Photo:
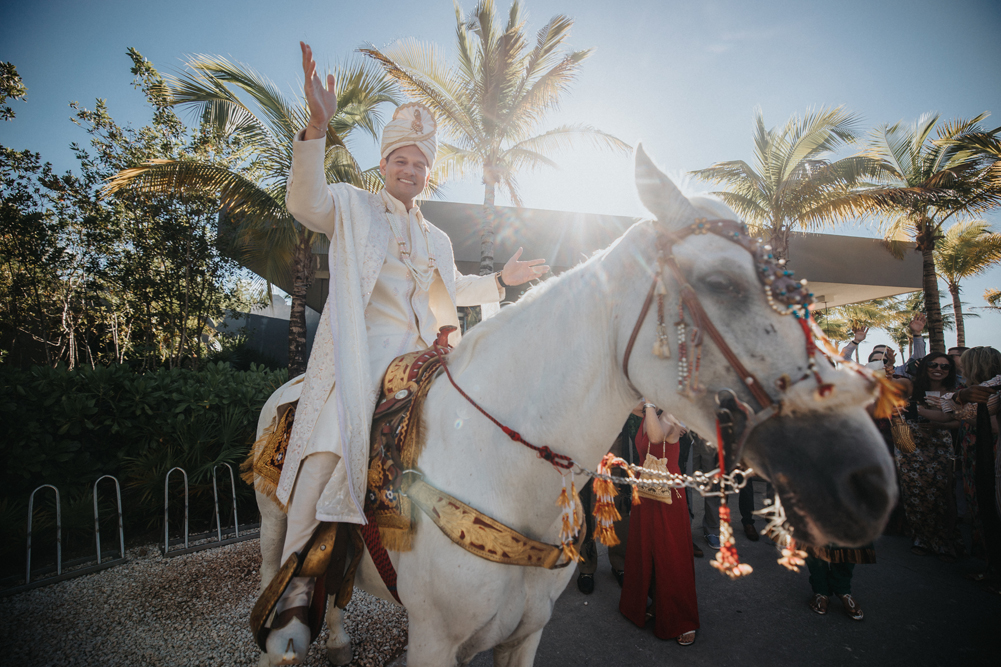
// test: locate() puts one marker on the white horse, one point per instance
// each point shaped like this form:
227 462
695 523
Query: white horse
551 367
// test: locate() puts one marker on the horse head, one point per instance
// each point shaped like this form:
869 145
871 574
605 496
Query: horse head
809 433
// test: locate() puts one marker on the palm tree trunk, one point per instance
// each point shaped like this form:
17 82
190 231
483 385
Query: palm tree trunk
957 308
301 281
487 226
936 337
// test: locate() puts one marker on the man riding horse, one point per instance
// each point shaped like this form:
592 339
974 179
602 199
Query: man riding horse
393 284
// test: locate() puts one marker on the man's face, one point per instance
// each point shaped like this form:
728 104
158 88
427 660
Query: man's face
407 173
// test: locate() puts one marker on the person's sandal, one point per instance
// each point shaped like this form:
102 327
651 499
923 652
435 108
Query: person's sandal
686 639
851 607
818 603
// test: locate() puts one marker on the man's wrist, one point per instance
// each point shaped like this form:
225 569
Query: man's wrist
500 280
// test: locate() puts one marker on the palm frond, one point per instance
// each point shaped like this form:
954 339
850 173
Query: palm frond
237 194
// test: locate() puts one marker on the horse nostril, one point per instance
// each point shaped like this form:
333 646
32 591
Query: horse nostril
868 493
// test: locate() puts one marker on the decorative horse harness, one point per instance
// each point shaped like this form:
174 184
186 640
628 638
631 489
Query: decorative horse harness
735 419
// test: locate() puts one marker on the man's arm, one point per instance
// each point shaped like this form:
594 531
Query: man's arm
306 195
475 290
850 348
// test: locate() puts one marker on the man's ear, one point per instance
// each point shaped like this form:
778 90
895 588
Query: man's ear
382 166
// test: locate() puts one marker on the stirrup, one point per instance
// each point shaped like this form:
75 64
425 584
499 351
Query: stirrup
313 563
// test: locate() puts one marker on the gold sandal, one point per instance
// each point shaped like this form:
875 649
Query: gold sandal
686 639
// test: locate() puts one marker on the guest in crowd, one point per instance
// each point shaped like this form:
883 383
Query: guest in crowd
924 471
977 405
831 570
659 563
624 448
885 353
689 440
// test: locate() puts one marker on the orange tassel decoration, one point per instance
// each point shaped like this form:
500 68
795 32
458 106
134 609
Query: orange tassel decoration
889 398
568 529
792 558
605 513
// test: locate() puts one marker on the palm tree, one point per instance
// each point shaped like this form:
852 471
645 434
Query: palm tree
491 103
967 249
261 231
924 181
793 183
839 323
993 298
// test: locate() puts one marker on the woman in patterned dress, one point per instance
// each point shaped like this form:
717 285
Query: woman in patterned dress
924 472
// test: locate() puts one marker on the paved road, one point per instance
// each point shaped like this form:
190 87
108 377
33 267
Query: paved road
919 611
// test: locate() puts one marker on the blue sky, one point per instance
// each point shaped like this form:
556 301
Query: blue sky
684 78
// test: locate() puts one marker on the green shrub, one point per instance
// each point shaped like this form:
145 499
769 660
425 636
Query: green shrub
68 428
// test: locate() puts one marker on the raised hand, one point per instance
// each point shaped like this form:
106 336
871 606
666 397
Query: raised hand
917 324
860 333
322 100
516 273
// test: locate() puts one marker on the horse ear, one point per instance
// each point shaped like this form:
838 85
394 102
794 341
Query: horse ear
660 195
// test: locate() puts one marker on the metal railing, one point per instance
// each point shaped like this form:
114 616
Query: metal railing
97 520
59 532
110 559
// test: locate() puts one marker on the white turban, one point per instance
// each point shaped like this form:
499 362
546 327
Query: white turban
412 125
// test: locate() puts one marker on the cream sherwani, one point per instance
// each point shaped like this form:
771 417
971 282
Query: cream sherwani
375 311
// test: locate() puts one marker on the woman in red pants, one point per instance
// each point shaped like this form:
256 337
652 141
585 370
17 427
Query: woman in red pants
659 561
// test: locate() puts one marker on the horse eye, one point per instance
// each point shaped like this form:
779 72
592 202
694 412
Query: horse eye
721 284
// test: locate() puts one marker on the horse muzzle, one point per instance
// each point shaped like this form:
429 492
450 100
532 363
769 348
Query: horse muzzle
834 474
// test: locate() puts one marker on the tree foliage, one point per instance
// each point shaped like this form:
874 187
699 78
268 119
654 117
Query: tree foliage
238 105
967 249
794 182
929 172
491 104
88 280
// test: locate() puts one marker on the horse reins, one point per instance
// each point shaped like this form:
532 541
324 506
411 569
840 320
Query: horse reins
778 284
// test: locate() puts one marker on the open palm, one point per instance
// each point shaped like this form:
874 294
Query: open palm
322 100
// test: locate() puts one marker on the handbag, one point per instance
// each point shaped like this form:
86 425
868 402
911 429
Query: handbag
903 438
659 493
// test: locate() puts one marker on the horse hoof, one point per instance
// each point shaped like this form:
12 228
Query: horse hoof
339 656
288 645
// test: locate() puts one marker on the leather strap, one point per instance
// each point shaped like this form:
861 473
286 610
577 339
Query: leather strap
636 330
483 536
702 321
731 232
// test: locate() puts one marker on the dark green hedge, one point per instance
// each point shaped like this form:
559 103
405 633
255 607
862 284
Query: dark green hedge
68 428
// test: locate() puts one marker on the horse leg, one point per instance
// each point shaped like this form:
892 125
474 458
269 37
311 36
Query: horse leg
339 642
519 653
273 523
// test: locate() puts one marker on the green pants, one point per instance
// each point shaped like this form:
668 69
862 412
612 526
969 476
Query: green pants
827 578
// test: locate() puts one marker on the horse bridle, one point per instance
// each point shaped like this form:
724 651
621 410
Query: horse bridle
786 296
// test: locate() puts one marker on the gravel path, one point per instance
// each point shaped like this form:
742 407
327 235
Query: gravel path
186 610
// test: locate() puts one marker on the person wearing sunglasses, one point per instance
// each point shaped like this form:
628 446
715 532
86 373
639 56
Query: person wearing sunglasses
925 471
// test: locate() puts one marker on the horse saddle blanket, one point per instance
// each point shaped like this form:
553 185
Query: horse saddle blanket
397 442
